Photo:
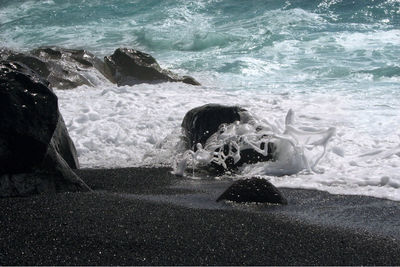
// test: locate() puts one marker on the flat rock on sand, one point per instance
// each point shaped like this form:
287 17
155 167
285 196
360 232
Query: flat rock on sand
148 217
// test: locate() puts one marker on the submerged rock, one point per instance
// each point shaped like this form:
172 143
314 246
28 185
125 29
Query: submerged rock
36 152
253 190
203 123
130 66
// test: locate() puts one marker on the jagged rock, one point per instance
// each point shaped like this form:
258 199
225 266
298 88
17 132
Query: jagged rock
69 68
36 152
129 67
63 68
253 190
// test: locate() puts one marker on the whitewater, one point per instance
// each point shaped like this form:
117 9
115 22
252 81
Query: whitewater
334 64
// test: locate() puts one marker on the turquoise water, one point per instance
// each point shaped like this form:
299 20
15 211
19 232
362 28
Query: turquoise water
335 63
313 42
347 47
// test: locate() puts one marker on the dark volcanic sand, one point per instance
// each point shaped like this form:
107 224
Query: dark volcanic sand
141 216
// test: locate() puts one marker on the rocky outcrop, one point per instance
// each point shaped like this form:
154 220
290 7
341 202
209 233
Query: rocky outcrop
253 190
129 67
70 68
36 152
63 68
67 68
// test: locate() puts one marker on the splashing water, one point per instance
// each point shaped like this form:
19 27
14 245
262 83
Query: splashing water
294 150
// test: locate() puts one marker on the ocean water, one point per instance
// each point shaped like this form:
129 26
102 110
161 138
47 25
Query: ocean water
332 65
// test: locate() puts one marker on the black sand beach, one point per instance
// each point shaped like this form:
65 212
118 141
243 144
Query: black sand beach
140 216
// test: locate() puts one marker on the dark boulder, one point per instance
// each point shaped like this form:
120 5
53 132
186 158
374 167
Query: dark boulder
36 152
253 190
200 123
129 67
23 97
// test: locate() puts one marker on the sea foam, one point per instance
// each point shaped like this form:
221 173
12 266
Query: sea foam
294 149
333 63
140 126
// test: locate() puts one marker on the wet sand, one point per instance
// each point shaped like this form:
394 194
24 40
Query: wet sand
146 216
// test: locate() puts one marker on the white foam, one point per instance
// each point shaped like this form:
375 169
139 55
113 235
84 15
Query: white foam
369 41
140 125
270 62
295 150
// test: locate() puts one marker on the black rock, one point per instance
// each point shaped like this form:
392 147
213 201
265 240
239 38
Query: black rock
253 190
36 152
33 62
24 97
202 122
129 67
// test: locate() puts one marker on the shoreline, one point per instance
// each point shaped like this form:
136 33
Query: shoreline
147 216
